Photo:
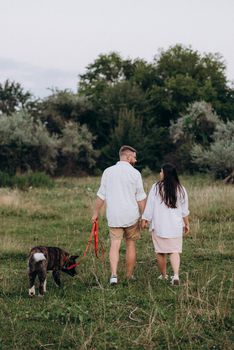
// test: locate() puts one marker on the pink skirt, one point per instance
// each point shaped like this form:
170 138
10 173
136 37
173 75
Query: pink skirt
167 245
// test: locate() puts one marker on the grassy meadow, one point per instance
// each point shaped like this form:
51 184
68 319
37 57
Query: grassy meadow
86 313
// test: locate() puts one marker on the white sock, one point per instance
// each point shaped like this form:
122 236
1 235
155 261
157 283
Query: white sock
176 277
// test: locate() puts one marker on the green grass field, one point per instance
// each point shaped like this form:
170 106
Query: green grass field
89 314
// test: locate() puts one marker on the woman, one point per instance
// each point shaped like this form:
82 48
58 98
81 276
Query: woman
167 211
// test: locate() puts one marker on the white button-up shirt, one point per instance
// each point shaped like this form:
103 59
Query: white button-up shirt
165 222
121 188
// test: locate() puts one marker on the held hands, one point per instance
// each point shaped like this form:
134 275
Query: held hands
144 224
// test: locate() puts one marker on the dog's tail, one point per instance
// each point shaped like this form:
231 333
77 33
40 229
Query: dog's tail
38 257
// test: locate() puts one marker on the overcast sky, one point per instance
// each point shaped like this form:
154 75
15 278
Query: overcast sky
48 43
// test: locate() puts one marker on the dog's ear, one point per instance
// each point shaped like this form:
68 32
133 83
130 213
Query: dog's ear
74 257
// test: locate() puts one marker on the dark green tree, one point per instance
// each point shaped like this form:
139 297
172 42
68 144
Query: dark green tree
61 107
111 85
151 143
107 70
128 130
157 93
13 98
122 96
185 76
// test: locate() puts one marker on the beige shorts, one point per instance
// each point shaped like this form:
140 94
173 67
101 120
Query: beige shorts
131 232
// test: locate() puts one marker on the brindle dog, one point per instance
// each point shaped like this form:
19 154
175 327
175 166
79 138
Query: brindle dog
43 259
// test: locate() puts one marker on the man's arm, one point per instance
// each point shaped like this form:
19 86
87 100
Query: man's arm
141 205
98 204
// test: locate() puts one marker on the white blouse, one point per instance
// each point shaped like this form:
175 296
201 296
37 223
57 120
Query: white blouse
165 222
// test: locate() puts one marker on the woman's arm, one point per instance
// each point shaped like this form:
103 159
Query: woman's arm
186 224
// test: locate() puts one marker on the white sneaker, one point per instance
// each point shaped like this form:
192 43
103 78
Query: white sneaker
161 277
113 280
175 281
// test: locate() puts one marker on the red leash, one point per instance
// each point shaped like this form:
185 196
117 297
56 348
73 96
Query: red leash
93 234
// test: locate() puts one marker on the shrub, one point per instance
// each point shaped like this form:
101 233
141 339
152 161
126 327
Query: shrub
26 144
196 126
37 179
23 182
5 179
219 157
146 172
77 154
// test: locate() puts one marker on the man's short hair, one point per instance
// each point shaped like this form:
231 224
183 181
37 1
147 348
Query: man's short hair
125 149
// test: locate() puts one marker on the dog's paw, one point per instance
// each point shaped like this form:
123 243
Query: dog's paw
32 292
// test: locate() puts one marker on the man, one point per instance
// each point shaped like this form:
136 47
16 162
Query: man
122 190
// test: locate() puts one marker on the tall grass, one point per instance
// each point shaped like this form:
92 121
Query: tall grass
86 313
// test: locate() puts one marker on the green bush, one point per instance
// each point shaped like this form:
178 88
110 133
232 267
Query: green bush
40 179
37 179
218 158
77 154
146 172
25 144
6 180
196 125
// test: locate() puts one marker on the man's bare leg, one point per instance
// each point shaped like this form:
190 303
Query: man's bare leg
130 257
114 255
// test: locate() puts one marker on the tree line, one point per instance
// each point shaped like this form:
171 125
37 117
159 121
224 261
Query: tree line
178 108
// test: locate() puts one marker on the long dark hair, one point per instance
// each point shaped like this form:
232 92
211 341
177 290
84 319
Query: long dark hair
170 186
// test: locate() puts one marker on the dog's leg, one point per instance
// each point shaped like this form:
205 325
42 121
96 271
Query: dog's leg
42 281
56 276
45 285
32 277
